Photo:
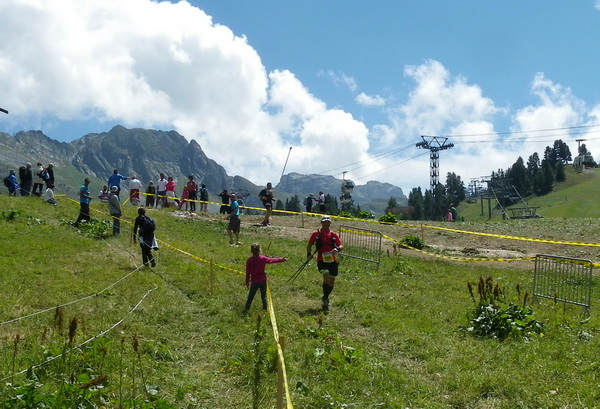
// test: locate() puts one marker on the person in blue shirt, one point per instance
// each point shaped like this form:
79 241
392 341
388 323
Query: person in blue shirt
115 180
14 187
84 202
234 221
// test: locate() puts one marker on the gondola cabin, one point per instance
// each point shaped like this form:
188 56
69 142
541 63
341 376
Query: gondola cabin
347 188
584 163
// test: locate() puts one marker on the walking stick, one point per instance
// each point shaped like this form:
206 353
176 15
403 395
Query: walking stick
297 273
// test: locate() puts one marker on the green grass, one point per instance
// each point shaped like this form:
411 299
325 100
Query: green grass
391 338
577 197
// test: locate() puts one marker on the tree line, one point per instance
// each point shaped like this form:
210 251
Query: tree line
537 176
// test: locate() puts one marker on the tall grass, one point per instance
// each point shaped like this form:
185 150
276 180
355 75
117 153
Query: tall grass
391 338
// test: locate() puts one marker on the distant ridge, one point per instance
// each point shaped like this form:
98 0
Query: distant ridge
146 153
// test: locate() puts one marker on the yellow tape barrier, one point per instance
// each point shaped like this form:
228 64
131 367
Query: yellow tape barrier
226 268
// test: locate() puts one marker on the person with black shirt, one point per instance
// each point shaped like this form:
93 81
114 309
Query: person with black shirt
266 197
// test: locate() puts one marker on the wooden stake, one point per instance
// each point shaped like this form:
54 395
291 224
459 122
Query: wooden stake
212 277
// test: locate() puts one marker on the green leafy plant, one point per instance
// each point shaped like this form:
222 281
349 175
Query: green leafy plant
345 214
388 218
10 215
494 317
413 242
97 228
366 215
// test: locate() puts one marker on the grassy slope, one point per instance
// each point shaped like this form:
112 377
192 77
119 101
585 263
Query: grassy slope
576 197
390 339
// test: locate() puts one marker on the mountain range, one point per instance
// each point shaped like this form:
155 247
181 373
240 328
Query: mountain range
146 153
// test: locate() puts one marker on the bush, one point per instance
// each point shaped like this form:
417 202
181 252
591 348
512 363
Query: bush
413 242
493 317
365 214
388 218
97 228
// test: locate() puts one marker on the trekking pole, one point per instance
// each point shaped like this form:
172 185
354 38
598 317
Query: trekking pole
297 273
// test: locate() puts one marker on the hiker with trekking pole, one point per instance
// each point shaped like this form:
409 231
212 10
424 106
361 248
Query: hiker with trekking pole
328 245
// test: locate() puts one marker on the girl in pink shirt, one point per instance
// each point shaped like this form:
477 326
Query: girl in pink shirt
256 279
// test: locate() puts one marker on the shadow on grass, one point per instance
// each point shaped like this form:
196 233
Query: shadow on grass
313 312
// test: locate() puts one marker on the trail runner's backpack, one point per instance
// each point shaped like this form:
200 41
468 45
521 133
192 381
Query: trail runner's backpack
319 242
147 225
7 182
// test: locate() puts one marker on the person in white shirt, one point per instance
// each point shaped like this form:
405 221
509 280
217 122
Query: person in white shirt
134 190
38 182
161 191
49 195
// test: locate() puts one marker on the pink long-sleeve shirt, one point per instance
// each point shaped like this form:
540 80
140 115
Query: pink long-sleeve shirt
255 268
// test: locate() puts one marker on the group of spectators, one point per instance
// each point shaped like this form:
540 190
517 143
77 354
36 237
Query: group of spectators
161 194
328 244
37 182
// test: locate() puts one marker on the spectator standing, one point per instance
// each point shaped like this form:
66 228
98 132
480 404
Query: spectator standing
266 197
84 202
203 199
26 179
322 205
192 188
454 213
161 191
38 181
234 222
115 180
150 194
114 208
185 194
13 186
328 245
224 209
146 227
49 195
170 187
308 202
256 279
103 195
49 175
134 190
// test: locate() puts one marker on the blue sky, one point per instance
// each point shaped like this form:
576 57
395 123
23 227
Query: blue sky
349 85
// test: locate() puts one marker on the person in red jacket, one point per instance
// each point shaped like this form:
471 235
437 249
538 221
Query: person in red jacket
328 245
256 279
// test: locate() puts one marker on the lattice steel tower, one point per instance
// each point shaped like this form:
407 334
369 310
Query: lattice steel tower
435 144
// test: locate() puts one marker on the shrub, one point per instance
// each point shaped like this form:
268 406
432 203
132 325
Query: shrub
413 241
388 218
97 228
365 214
494 317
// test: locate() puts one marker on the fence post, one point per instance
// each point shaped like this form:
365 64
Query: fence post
280 386
212 277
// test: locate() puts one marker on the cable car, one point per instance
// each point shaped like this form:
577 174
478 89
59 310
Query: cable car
347 188
584 163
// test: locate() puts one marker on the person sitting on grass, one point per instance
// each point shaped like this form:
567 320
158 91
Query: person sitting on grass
256 279
49 196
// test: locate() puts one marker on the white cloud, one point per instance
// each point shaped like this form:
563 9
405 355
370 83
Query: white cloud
339 78
169 66
371 101
164 65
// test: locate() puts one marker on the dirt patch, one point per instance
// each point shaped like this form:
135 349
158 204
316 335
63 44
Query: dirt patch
511 239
